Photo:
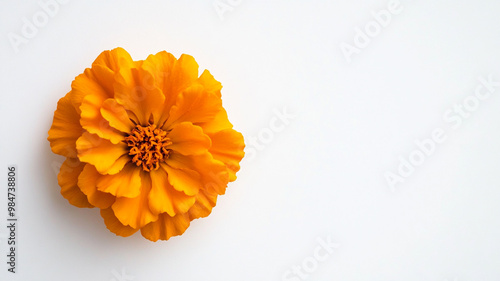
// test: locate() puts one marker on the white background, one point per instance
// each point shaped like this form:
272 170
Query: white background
320 176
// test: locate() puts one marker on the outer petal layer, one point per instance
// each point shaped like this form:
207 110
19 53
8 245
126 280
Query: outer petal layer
114 225
194 105
214 174
219 123
87 184
100 78
107 64
163 198
86 84
208 81
227 146
135 212
68 180
65 129
113 60
166 227
205 201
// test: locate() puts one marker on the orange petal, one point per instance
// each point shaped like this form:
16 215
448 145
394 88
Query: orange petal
164 198
161 67
107 64
185 180
188 139
178 75
219 123
87 183
114 225
99 79
135 212
214 174
126 183
93 121
118 165
166 227
101 153
68 180
135 89
209 83
184 73
86 84
65 129
116 115
114 59
105 77
194 105
205 201
227 146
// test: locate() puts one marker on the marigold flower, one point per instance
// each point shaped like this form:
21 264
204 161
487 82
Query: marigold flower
147 142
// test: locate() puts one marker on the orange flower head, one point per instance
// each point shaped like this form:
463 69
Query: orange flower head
147 142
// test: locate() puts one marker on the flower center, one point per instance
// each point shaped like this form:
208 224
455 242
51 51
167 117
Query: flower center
148 146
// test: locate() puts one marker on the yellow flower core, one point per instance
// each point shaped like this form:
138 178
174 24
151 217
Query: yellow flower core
148 145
